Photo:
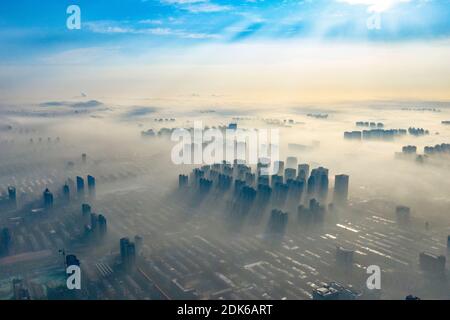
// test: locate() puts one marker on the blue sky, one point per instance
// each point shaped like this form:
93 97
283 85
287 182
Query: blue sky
31 28
259 50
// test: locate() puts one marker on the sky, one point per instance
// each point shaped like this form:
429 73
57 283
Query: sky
277 51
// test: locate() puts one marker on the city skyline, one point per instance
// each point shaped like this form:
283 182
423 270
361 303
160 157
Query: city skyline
225 151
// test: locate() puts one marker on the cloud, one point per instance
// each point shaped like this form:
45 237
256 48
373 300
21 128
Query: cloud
87 104
107 27
151 21
375 5
198 6
183 1
139 112
207 8
78 105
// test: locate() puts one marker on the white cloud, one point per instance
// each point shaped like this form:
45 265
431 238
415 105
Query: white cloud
107 27
183 1
375 5
198 6
207 7
151 21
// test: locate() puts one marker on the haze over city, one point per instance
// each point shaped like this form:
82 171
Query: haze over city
354 96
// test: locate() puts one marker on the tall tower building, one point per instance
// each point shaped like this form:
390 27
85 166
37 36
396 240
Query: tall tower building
138 244
102 225
71 260
127 253
291 162
341 183
303 171
48 199
280 165
12 196
91 185
80 186
85 209
66 193
94 220
5 241
182 180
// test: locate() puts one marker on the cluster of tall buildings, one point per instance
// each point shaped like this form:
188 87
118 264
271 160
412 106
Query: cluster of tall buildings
96 224
443 148
381 134
48 198
370 124
80 186
418 131
318 115
410 150
375 134
335 291
167 132
255 191
128 252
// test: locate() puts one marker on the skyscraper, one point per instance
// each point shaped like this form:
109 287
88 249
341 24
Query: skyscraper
48 199
91 185
94 220
291 162
340 196
318 183
85 209
182 180
303 171
124 242
71 260
80 186
127 253
280 166
138 244
290 173
66 194
12 196
277 222
5 241
102 225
